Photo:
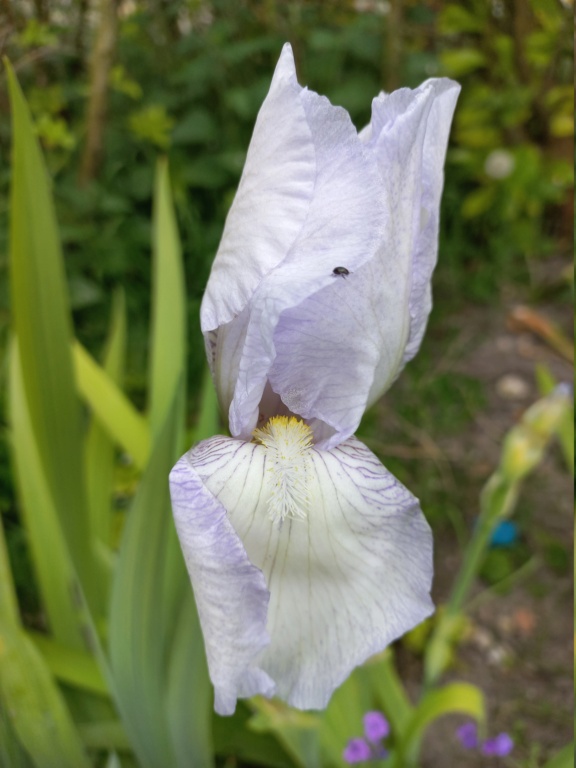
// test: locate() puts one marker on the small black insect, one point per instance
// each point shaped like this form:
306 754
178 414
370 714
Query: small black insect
340 272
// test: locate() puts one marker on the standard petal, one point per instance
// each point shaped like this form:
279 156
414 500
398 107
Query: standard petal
329 346
344 582
408 136
271 203
345 227
426 241
231 594
341 349
224 350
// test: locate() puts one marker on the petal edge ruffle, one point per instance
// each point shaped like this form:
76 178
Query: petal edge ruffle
222 578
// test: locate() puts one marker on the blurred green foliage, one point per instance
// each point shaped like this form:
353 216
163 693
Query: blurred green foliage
188 77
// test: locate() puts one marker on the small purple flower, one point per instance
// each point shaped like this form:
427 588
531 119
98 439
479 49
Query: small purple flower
468 735
499 746
357 751
376 726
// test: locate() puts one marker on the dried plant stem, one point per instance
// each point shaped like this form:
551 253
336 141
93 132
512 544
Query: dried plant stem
100 66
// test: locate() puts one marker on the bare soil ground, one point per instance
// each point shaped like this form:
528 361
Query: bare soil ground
518 648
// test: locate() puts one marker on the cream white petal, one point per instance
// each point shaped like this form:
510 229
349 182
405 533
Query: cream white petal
345 227
230 592
408 136
329 346
271 203
344 581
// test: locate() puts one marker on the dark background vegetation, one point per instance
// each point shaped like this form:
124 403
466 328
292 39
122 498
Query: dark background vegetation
114 84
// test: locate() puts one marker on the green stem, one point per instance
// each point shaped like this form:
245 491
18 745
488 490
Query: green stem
9 614
392 692
497 501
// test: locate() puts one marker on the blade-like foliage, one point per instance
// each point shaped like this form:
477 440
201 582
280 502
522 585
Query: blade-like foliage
34 719
43 327
137 632
55 573
155 644
35 706
111 407
189 696
342 720
74 667
562 759
462 698
100 448
297 732
168 333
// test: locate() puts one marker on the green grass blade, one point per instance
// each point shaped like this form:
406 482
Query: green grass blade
190 727
12 754
462 698
114 411
107 734
137 635
168 344
43 326
167 366
113 761
208 423
232 736
56 577
562 759
342 720
189 717
36 709
100 448
297 732
389 690
74 667
9 614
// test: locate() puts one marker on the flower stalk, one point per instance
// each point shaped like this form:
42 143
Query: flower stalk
524 448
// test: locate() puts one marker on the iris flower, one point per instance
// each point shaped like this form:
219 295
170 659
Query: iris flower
305 554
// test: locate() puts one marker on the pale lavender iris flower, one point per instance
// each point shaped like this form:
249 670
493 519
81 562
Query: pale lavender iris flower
305 554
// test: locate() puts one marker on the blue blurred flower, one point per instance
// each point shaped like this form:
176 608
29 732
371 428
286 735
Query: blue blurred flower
505 534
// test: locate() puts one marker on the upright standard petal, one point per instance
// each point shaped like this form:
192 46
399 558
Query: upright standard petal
414 161
271 203
346 577
345 345
326 345
345 226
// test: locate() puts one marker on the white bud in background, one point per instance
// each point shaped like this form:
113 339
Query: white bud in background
499 164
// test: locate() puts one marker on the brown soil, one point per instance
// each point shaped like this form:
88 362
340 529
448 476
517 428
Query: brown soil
519 646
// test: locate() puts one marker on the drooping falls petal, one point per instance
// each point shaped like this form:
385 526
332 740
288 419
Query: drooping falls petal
231 594
347 573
